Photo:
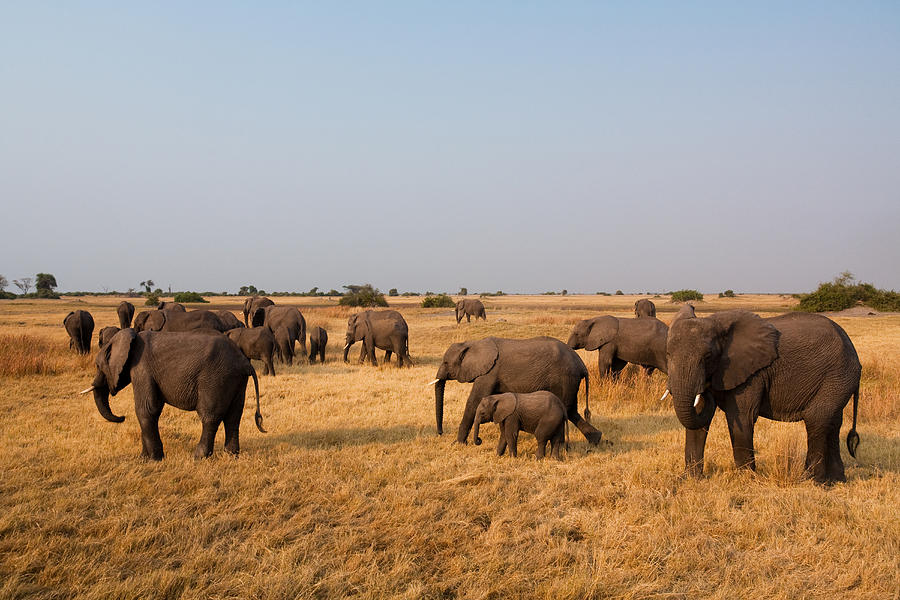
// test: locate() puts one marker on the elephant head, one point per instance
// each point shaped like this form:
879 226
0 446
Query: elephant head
719 352
140 321
357 328
496 408
464 362
259 317
113 373
247 303
590 334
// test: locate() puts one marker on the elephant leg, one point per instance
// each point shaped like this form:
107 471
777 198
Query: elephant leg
605 357
322 355
468 318
270 366
740 427
570 401
362 353
817 434
511 427
501 444
616 368
544 432
207 438
148 412
387 357
481 388
694 445
370 347
834 466
232 425
557 441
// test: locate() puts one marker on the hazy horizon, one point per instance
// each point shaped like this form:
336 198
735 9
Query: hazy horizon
502 146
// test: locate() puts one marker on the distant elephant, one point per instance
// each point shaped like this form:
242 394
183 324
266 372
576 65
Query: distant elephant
257 343
79 325
252 304
107 334
171 306
174 320
228 319
686 312
622 341
318 339
540 413
644 308
190 371
498 365
384 329
125 311
469 309
287 325
794 367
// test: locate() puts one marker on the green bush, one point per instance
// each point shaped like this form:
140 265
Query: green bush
189 297
844 292
47 293
685 295
4 295
438 301
362 295
151 299
393 292
727 294
619 293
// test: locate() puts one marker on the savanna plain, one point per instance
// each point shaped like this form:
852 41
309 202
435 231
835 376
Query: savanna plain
352 493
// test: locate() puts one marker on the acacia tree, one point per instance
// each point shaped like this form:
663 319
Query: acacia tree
147 285
23 284
3 283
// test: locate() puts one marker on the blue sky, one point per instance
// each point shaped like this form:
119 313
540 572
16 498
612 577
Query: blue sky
519 146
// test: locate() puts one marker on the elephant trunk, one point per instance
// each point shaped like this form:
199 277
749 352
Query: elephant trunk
478 417
574 343
101 399
686 398
347 349
439 404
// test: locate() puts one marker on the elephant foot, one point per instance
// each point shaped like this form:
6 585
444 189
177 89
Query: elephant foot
593 437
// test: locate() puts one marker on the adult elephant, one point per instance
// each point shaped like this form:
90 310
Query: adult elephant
125 311
794 367
228 319
622 341
468 309
644 308
188 370
171 306
173 320
384 329
499 365
287 325
79 325
252 304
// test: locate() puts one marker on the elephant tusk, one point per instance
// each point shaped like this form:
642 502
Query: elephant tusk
664 396
347 346
696 400
90 389
432 382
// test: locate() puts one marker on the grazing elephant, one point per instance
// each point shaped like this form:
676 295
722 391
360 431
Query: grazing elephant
287 325
469 309
188 370
794 367
622 341
252 304
318 339
258 343
644 308
498 365
174 320
540 413
171 306
384 329
80 327
228 319
107 334
125 310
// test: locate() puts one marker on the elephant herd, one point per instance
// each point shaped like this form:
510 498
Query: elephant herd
794 367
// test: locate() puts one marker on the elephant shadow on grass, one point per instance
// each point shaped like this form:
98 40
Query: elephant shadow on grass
626 434
346 436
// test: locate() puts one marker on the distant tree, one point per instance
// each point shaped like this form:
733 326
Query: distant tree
393 292
147 285
152 299
463 291
362 295
334 292
23 284
313 291
565 292
619 293
727 294
438 301
685 295
3 283
45 281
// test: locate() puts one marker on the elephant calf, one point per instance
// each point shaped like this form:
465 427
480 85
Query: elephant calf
541 413
107 334
257 343
79 325
318 339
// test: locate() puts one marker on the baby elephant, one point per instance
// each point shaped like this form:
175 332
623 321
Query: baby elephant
258 343
541 413
318 338
107 334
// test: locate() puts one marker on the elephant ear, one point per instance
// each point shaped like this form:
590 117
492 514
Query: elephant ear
476 359
67 317
158 321
113 358
602 331
748 344
506 405
259 317
686 312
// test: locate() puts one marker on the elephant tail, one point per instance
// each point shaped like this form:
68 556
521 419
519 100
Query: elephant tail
587 397
852 436
258 416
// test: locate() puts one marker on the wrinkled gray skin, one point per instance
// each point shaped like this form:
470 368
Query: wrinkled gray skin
125 311
686 311
499 365
228 319
187 370
79 325
644 308
794 367
622 341
252 304
171 306
174 320
107 334
540 413
287 325
384 329
469 309
318 339
257 343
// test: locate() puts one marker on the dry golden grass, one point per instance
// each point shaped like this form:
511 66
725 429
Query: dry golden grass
352 494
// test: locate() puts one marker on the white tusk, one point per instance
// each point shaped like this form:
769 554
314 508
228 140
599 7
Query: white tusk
87 390
347 346
696 400
433 382
664 396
